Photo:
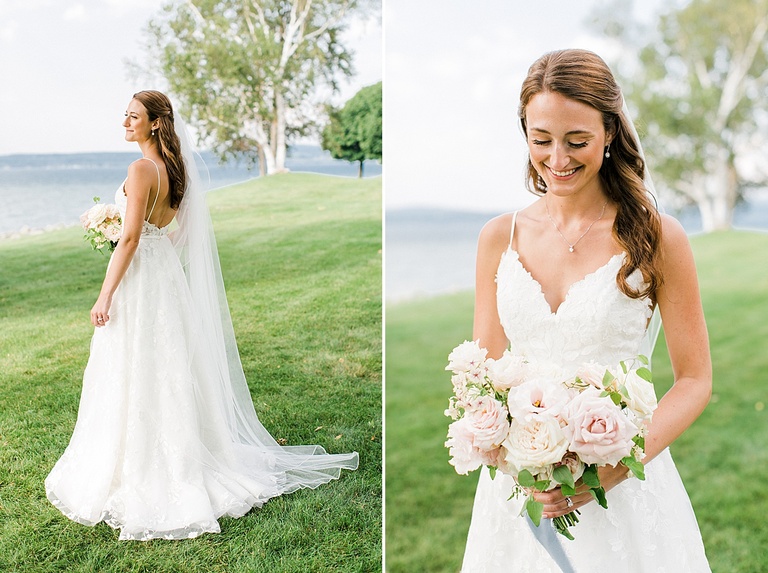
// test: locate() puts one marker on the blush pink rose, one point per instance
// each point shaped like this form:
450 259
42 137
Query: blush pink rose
112 233
475 439
488 422
598 431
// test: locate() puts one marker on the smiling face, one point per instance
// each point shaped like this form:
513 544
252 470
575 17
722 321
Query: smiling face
566 141
137 125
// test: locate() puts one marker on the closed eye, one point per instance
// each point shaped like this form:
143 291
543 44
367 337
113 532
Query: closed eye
578 145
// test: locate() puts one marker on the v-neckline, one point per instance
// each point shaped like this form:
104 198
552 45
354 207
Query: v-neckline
556 312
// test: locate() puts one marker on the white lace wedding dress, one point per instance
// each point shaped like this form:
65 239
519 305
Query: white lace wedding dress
649 526
153 452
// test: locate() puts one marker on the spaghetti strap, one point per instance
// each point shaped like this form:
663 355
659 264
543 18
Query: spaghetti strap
158 187
512 232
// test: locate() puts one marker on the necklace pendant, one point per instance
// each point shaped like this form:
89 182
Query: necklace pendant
570 248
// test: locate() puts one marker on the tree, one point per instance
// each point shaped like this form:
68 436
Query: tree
354 131
699 87
248 70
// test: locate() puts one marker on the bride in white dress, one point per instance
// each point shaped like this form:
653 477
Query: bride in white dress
575 277
167 439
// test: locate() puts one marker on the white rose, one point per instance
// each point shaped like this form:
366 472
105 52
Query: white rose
598 431
537 397
97 214
466 356
507 371
535 443
641 396
592 373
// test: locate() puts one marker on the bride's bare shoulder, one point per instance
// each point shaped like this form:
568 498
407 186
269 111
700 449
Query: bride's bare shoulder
497 230
495 237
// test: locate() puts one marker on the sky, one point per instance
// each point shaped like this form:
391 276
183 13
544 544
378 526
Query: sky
452 73
64 82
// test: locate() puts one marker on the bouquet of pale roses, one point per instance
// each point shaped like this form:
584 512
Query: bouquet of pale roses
544 428
103 226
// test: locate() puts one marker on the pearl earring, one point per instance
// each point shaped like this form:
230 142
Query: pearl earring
607 151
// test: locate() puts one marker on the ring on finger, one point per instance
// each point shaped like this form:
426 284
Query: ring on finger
568 502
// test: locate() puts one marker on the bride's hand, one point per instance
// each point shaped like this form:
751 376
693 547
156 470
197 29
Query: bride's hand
556 504
100 311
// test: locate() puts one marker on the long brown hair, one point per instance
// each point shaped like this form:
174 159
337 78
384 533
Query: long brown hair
159 108
583 76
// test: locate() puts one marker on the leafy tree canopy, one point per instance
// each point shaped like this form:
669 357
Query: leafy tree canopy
354 132
249 71
698 88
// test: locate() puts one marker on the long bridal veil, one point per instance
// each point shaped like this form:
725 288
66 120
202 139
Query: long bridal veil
654 325
223 393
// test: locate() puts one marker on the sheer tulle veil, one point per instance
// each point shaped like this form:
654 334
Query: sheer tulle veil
654 326
223 391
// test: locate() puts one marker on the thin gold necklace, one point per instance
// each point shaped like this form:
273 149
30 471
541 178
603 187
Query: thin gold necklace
571 247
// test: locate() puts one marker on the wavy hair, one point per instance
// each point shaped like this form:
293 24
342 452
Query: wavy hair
159 108
583 76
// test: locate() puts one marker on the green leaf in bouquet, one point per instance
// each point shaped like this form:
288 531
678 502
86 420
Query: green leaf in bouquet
642 358
599 494
638 469
640 441
96 199
616 397
623 391
542 485
590 477
534 509
525 478
608 378
563 476
623 366
645 374
492 471
568 490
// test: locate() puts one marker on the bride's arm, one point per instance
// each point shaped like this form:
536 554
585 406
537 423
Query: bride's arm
141 175
687 341
688 344
487 328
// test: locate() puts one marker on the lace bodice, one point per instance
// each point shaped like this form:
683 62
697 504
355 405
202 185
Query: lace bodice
595 322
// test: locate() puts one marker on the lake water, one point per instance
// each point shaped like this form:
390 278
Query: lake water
45 191
432 252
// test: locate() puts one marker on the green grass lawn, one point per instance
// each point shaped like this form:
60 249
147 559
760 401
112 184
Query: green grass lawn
301 258
722 458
